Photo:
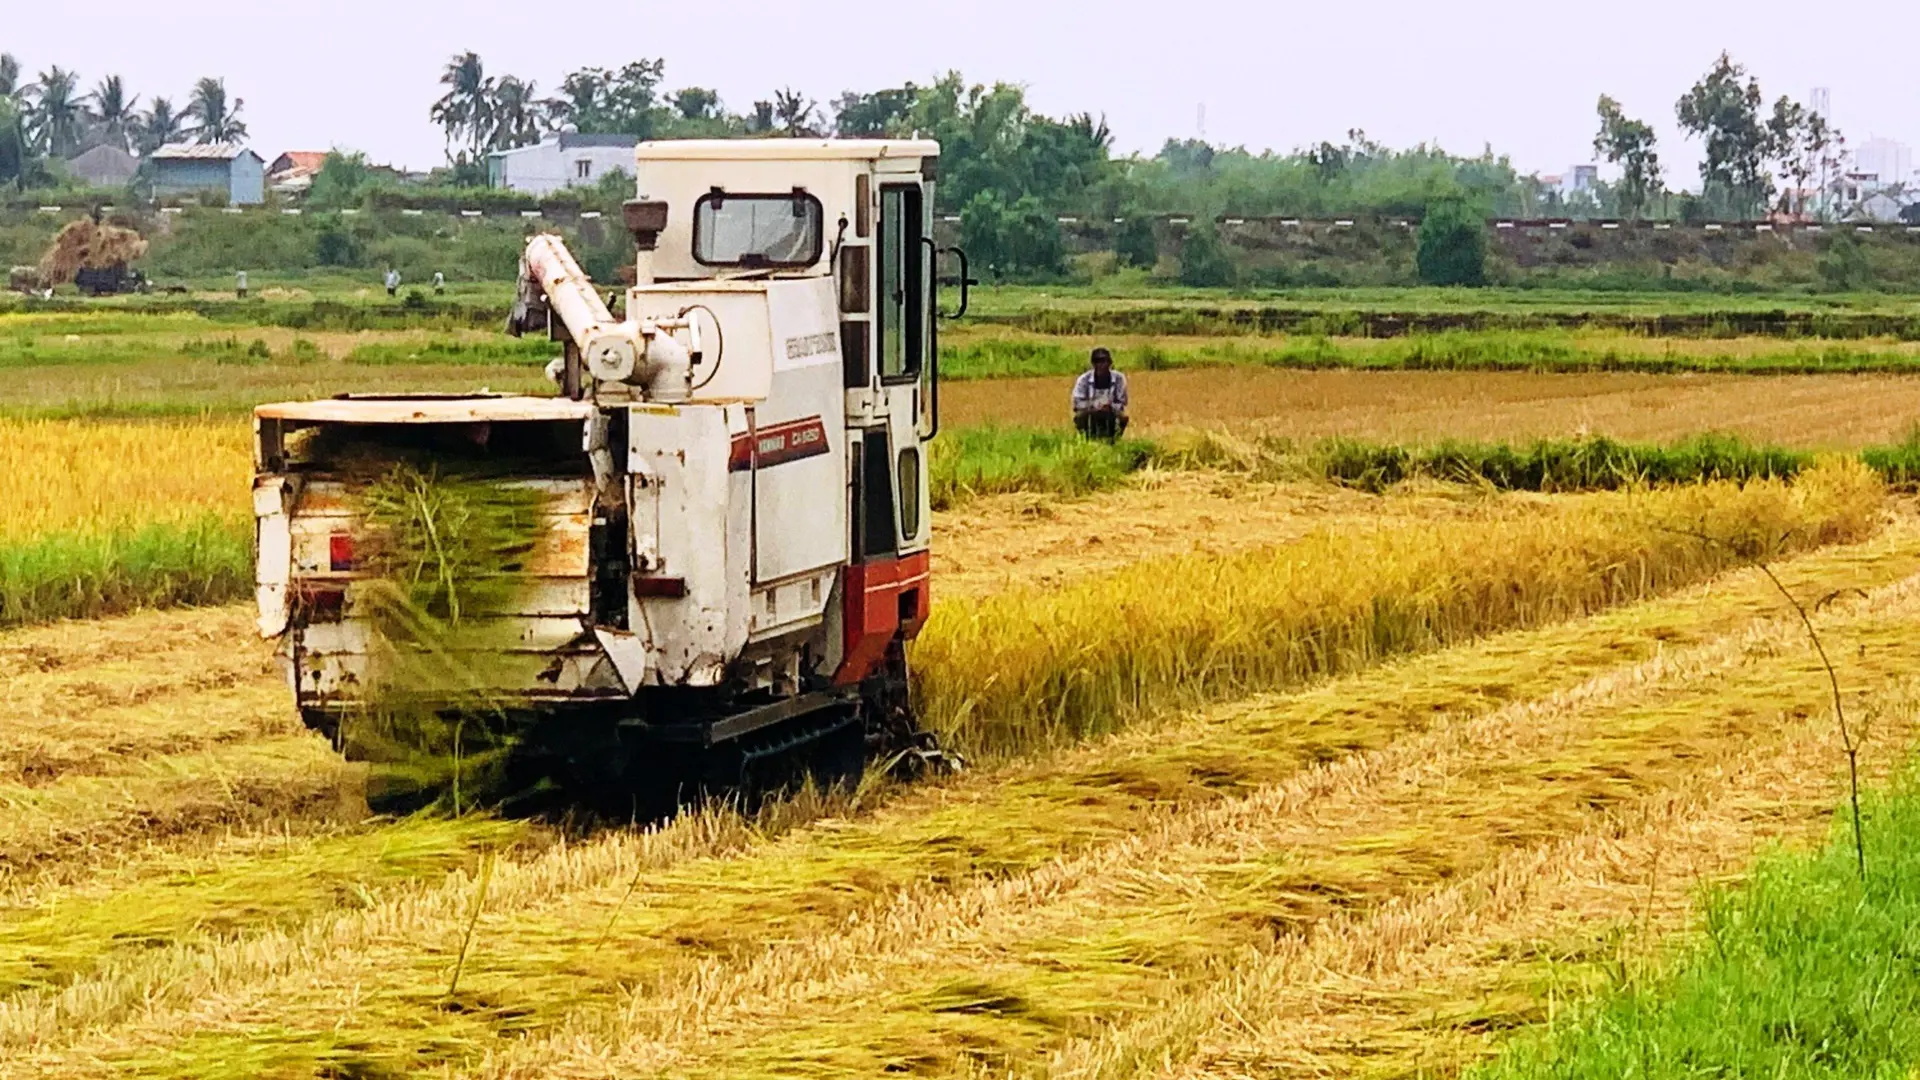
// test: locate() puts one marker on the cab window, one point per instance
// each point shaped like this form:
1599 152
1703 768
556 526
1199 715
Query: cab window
905 276
757 230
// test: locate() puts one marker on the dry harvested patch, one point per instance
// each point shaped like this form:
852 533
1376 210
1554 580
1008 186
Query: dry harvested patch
142 741
81 820
88 697
1005 974
994 919
232 885
1426 985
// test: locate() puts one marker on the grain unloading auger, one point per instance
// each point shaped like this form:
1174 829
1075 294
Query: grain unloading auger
727 515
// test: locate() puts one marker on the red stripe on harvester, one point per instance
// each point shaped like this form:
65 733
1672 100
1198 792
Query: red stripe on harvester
778 444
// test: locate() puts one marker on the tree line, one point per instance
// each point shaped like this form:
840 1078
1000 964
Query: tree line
52 116
1747 148
1009 171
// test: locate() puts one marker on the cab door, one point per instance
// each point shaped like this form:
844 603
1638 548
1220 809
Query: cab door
904 331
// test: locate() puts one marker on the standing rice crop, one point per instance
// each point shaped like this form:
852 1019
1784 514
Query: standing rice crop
1029 668
102 518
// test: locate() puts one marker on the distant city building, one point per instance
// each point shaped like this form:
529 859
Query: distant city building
104 167
1580 178
1877 206
189 169
561 161
1884 161
1577 179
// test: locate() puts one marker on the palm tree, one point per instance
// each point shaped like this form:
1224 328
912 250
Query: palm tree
465 110
57 111
1093 134
516 111
158 127
582 101
214 121
113 110
16 152
795 112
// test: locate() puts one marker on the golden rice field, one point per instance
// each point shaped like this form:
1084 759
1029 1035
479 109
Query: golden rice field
1344 782
1268 778
61 476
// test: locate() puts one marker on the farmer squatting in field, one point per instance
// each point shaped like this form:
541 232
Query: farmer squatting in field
1100 399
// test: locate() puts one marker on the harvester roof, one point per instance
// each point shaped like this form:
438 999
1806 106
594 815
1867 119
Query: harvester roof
786 149
427 409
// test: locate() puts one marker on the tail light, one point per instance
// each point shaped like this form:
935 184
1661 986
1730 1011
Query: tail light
340 552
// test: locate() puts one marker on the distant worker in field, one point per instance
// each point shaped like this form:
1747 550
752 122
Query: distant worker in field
1100 399
240 284
439 283
393 282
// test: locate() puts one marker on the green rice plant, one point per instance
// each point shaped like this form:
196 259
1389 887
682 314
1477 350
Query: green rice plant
1585 464
1806 971
445 551
1898 463
505 350
86 574
970 462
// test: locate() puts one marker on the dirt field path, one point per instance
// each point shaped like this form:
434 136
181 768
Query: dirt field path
1109 907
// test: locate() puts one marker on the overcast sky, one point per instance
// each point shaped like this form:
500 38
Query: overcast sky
1522 76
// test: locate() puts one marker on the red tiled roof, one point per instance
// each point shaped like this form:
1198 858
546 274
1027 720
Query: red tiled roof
299 162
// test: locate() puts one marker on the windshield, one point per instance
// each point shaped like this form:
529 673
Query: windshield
757 230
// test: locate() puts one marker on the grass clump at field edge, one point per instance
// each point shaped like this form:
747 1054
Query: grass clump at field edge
1806 971
990 460
1588 464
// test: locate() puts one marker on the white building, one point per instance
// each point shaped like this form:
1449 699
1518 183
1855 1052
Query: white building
561 161
1886 161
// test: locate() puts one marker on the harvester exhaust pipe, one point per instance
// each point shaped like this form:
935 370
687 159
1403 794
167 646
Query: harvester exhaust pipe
645 220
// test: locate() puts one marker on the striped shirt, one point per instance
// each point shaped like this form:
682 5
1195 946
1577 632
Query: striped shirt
1087 398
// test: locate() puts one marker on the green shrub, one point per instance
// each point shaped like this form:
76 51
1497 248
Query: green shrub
1453 245
1135 244
1842 265
1204 262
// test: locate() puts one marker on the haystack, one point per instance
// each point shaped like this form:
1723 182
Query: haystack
88 245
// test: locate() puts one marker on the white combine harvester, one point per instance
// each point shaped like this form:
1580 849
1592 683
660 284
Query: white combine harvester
733 541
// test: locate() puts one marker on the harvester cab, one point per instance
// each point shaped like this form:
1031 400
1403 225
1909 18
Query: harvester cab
723 513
